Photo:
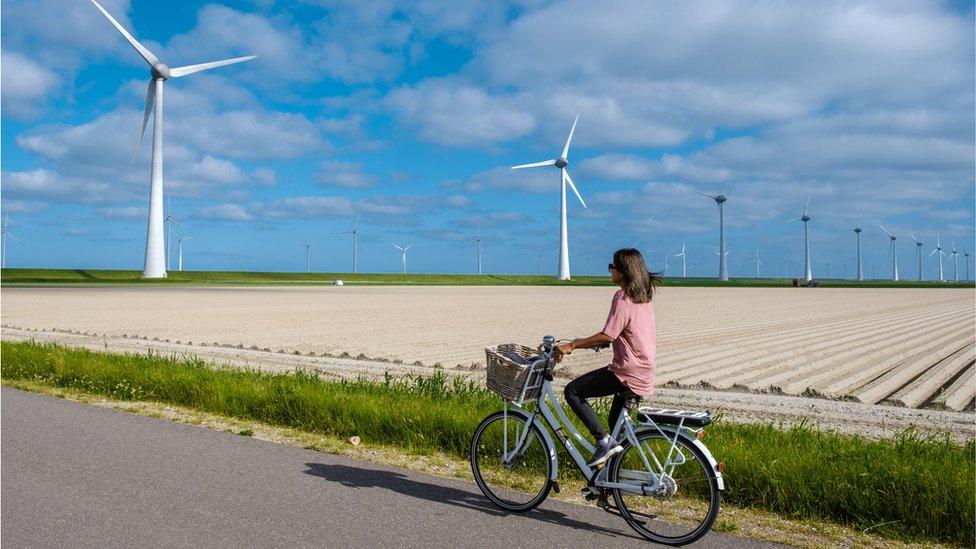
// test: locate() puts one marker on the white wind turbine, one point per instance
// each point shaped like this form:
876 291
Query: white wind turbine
938 249
179 245
966 255
155 262
757 262
565 178
684 264
170 221
666 266
4 235
955 262
355 245
477 241
403 256
918 247
308 246
805 218
893 252
723 264
860 268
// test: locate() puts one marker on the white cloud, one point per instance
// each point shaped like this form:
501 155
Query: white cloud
217 170
336 173
223 212
130 212
26 85
40 184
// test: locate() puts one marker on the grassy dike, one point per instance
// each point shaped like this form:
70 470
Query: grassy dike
909 488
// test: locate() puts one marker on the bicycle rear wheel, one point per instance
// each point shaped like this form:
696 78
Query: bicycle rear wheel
513 476
688 503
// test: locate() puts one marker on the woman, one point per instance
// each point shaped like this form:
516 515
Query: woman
630 328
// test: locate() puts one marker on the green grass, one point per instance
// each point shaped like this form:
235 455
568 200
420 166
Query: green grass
910 488
92 277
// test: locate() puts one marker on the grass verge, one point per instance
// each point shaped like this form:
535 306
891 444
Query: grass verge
104 276
910 489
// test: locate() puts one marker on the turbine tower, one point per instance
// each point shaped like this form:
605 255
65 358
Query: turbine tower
355 245
918 247
966 255
860 267
723 264
179 245
477 241
893 252
955 262
805 218
4 235
666 266
170 221
938 249
684 265
758 263
403 256
155 261
307 245
565 178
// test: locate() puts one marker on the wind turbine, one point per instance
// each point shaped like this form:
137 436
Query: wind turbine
403 256
805 218
966 255
477 241
155 263
860 268
918 247
938 248
307 245
723 264
955 262
666 266
170 221
893 252
589 272
355 245
179 245
684 265
5 234
757 262
565 178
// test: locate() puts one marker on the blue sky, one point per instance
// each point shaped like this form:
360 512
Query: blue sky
408 115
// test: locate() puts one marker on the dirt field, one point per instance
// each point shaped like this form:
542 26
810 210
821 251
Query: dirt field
912 348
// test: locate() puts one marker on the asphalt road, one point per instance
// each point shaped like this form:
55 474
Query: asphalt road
81 475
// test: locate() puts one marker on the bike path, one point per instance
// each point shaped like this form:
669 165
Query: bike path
80 475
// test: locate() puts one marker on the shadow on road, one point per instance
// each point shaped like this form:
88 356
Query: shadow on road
367 478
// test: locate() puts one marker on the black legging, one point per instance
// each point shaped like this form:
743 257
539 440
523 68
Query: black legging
598 383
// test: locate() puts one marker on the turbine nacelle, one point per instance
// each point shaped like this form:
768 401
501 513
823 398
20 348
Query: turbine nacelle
720 198
561 162
804 218
160 70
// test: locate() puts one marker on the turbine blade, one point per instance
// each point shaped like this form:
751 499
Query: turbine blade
807 207
885 230
397 247
190 69
570 138
795 219
572 185
713 197
150 101
724 187
356 226
933 252
913 238
534 165
145 53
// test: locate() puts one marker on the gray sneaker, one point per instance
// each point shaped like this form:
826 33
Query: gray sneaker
604 452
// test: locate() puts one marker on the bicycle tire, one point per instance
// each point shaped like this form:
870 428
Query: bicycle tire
701 464
490 451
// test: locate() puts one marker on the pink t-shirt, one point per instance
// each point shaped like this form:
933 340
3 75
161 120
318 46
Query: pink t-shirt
631 325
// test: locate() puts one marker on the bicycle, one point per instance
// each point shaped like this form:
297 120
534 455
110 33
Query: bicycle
665 483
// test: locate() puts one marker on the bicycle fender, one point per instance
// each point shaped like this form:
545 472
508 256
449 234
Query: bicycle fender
672 429
545 435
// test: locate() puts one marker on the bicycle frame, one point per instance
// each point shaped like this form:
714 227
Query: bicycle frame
646 482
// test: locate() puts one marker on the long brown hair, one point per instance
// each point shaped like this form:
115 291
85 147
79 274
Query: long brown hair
639 283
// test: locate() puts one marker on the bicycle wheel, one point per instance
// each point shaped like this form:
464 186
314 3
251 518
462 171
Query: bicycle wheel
686 506
513 477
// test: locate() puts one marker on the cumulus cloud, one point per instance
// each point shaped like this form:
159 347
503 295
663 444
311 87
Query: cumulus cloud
335 173
26 85
223 212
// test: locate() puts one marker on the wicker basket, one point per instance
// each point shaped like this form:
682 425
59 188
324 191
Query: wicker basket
508 370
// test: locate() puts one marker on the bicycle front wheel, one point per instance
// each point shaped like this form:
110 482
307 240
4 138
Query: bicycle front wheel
510 462
684 507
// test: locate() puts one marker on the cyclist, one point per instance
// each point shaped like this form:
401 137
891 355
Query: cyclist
630 329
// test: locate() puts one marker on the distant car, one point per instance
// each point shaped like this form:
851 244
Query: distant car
337 283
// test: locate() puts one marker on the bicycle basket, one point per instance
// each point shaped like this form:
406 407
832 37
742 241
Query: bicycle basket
509 366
